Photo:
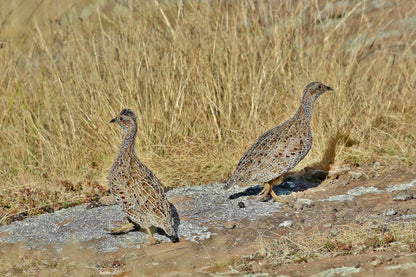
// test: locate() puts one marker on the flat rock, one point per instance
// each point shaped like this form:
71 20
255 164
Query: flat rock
391 212
355 174
404 195
200 208
302 203
286 224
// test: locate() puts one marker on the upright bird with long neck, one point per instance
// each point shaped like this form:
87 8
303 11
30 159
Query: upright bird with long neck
135 187
280 149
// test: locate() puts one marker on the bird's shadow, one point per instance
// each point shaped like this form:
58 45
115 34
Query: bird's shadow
296 181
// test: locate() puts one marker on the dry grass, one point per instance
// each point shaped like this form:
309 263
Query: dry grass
205 78
308 245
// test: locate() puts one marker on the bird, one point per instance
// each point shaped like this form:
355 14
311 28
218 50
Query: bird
279 149
136 188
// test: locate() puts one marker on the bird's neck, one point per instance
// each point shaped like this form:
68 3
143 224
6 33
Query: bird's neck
128 140
305 108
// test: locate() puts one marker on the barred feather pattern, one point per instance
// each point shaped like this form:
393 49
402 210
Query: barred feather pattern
281 148
134 186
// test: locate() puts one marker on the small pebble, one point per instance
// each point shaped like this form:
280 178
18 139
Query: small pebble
302 203
391 212
286 223
355 174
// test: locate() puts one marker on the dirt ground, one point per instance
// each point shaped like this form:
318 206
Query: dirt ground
301 239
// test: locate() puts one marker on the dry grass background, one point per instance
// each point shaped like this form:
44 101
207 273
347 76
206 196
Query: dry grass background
205 78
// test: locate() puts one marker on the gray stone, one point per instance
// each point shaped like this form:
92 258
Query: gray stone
391 212
349 196
401 266
355 174
340 198
303 203
286 224
401 186
404 195
338 271
362 190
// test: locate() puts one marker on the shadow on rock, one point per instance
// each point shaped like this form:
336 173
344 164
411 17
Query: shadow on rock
297 181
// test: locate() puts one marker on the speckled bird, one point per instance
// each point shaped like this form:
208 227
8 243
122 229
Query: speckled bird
278 150
135 187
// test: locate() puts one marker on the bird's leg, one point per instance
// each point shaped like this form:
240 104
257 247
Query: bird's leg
268 192
265 193
263 190
277 198
123 229
278 181
153 241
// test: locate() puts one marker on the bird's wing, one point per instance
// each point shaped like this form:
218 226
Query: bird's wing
271 155
144 195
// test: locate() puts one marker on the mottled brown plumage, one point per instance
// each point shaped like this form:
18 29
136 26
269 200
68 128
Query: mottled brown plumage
135 187
280 149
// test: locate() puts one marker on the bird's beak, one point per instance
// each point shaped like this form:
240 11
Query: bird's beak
328 88
112 120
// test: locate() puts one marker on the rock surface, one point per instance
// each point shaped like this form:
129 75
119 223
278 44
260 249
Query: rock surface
199 207
218 228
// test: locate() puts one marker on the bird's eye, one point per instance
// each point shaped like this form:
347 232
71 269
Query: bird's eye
121 118
320 87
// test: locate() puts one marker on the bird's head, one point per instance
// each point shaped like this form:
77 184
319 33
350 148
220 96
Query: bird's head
126 119
315 89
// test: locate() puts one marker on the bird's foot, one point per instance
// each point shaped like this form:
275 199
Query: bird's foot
122 229
278 199
265 198
152 239
265 193
154 242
